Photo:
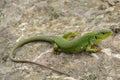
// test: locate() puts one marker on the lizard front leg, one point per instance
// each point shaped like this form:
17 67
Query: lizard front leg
91 49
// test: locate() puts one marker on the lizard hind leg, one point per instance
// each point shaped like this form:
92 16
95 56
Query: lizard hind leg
66 36
70 35
56 49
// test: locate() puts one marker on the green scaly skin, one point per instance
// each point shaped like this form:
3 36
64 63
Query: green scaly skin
61 43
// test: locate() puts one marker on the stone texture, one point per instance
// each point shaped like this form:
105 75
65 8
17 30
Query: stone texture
20 19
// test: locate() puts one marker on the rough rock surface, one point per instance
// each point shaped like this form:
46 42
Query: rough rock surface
20 19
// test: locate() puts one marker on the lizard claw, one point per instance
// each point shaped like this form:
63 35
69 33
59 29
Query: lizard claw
57 52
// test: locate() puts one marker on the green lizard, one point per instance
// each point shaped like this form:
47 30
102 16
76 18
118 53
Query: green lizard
61 43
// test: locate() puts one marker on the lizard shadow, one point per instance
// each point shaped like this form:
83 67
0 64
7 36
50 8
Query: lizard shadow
81 53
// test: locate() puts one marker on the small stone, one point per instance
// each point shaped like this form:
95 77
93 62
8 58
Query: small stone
110 9
69 78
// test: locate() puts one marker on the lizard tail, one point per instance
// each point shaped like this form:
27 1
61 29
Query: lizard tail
49 39
25 41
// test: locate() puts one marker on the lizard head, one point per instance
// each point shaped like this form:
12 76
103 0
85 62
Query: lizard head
102 34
